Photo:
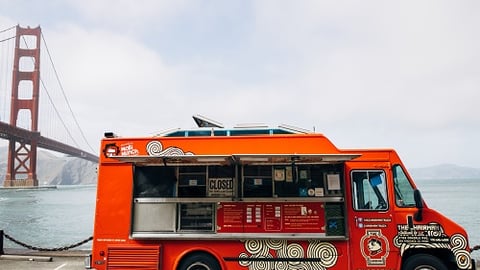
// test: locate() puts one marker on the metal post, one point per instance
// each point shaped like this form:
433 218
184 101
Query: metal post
1 242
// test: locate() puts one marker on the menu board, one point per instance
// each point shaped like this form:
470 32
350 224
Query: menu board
273 217
291 217
230 217
303 217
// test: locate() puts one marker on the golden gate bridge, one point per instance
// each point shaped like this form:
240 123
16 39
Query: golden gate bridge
34 109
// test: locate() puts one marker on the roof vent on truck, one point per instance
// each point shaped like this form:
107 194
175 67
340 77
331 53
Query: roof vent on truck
203 121
110 134
295 129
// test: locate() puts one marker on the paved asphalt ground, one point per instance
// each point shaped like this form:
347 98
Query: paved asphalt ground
65 260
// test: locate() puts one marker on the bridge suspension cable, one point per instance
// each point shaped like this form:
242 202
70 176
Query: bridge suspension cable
7 37
65 98
61 98
6 30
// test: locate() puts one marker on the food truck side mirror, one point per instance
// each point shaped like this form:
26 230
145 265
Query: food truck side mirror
419 204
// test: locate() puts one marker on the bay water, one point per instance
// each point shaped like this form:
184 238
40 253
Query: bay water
48 218
51 218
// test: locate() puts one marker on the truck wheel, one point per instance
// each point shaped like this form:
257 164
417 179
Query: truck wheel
424 262
199 261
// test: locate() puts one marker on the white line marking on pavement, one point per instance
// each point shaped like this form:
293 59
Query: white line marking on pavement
60 267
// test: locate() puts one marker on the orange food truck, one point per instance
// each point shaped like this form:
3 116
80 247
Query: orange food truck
263 198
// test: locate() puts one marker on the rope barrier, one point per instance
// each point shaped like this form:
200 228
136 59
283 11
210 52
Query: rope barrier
47 249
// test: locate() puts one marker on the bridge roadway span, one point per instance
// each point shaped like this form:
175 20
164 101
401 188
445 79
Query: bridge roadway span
23 135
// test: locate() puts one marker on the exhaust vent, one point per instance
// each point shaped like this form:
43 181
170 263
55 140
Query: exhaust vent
133 257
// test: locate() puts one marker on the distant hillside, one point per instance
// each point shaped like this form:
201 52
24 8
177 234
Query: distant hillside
445 171
56 170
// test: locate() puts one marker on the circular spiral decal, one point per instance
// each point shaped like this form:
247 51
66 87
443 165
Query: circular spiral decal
325 251
244 262
458 242
276 244
256 247
294 250
154 148
262 255
281 265
463 259
172 151
262 264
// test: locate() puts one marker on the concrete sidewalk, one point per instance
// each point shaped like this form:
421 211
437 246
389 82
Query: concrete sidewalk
15 259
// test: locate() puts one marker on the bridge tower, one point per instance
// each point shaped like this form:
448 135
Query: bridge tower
22 153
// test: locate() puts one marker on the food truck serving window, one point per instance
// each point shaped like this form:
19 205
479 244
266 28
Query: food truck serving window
154 181
183 181
220 181
306 180
195 194
246 176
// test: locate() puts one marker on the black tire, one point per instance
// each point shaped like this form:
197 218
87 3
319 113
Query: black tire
199 261
424 262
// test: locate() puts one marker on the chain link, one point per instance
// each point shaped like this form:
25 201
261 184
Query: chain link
47 249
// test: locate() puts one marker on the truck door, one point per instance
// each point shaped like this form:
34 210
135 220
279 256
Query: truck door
370 219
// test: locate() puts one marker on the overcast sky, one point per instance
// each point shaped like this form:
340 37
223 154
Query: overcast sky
402 75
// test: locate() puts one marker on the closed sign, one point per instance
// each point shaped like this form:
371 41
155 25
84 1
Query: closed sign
220 187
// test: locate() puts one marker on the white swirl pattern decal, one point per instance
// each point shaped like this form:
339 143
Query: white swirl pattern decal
326 252
256 250
433 236
459 244
155 148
